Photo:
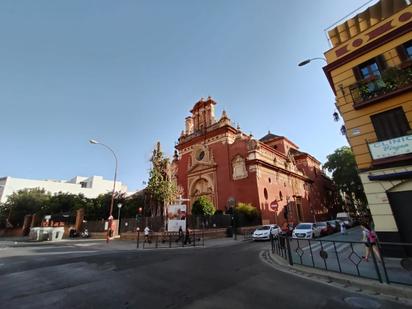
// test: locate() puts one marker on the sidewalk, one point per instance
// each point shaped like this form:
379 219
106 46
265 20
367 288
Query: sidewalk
368 287
344 254
338 258
114 244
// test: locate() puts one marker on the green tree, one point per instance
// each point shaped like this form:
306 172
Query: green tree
99 207
132 204
342 165
66 202
203 207
24 202
161 188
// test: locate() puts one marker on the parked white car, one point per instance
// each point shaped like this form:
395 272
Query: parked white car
307 230
263 232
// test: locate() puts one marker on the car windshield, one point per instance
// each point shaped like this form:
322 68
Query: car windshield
321 224
263 228
304 227
343 218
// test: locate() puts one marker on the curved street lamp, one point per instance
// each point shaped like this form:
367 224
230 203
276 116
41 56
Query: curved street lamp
305 62
110 219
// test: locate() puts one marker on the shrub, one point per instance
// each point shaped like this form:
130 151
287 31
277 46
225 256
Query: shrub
203 207
250 212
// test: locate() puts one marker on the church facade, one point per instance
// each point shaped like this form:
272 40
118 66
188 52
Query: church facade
215 159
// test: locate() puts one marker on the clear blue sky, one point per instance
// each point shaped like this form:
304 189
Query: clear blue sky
127 73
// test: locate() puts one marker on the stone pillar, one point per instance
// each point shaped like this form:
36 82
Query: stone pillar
189 125
79 219
26 225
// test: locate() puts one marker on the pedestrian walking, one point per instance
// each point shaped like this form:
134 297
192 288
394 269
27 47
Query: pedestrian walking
180 234
187 236
370 238
147 234
342 228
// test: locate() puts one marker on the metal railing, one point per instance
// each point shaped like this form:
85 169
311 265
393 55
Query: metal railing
248 234
170 240
347 257
398 78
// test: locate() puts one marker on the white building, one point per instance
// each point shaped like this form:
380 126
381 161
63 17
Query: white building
90 187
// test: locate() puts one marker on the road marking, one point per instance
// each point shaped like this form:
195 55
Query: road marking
343 247
326 247
314 247
67 252
87 244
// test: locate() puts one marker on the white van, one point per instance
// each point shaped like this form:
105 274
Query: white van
345 217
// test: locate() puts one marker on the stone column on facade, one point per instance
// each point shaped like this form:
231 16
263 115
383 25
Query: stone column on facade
206 117
189 125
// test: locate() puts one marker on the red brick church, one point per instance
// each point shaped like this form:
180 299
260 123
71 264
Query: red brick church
216 159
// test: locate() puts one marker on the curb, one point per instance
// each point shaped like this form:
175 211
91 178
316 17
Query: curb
392 292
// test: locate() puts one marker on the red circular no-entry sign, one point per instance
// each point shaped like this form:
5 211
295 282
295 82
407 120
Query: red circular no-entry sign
274 206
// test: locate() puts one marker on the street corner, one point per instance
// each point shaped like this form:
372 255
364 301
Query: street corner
393 292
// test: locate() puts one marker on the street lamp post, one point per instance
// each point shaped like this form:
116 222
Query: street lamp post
110 219
287 210
119 206
305 62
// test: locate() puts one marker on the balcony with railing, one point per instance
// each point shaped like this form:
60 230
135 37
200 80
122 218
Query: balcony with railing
393 81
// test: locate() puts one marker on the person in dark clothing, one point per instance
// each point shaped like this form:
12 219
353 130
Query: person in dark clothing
180 234
187 236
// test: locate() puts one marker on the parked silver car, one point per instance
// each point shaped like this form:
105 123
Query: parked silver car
306 230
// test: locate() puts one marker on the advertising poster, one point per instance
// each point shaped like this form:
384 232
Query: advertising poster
176 217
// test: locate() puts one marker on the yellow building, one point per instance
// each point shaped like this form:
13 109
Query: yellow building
370 71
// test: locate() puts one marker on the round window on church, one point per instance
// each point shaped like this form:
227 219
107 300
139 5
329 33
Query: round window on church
200 155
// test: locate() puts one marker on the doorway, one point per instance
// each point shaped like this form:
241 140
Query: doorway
401 204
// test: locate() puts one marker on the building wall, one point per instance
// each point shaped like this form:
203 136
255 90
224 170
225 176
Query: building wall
376 192
95 185
380 38
223 149
357 122
236 168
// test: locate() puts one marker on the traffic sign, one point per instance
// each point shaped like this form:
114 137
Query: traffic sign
274 205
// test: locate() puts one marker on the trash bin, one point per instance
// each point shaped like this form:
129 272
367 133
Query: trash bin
44 235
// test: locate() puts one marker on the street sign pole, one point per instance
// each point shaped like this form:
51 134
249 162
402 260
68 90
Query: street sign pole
274 206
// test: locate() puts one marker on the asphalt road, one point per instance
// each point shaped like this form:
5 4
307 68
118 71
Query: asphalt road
95 275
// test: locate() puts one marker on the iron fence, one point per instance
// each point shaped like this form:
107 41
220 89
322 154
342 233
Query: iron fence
248 233
170 240
347 257
193 222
